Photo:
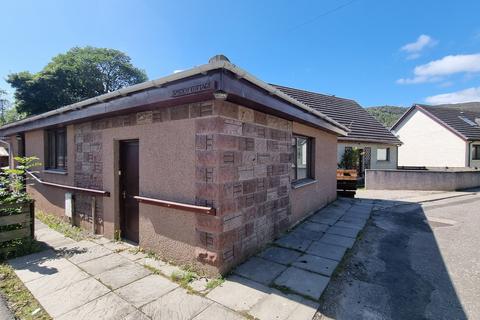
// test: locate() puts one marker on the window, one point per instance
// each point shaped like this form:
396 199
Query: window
476 152
56 150
383 154
302 158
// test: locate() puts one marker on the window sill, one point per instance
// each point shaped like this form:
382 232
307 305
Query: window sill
303 183
61 172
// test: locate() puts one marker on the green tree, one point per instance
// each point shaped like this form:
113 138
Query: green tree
79 74
8 113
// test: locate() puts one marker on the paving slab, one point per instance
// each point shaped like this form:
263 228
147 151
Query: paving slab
326 250
338 240
103 264
344 224
342 231
280 255
72 296
122 275
117 246
176 305
260 270
316 264
239 294
59 242
313 226
168 269
89 254
23 262
109 306
40 268
306 234
303 282
293 242
319 218
354 220
101 240
153 263
133 256
146 290
54 282
199 285
136 315
280 306
218 312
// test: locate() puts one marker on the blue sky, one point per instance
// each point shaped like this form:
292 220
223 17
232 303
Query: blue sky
394 52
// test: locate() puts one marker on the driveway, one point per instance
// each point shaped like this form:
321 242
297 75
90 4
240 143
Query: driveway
417 258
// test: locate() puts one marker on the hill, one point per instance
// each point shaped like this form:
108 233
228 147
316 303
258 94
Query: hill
387 115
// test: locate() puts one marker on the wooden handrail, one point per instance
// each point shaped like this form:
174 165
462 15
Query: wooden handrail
176 205
63 186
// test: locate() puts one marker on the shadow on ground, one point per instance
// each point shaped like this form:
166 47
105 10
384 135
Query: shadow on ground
394 271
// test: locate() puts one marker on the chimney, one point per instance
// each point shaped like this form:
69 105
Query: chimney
218 58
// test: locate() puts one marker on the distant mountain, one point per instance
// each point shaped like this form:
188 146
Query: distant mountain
387 115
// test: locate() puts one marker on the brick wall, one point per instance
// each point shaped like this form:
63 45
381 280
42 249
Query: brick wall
243 161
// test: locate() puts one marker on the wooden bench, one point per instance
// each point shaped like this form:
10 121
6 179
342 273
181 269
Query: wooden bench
347 182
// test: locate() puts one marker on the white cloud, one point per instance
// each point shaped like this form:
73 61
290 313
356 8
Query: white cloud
415 48
467 95
438 69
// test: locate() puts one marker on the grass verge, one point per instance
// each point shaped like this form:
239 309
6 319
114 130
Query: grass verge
19 300
61 226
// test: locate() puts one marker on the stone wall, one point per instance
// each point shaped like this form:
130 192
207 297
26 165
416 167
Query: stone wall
88 174
243 161
243 165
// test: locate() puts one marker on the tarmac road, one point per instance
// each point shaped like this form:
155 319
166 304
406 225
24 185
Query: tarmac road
413 261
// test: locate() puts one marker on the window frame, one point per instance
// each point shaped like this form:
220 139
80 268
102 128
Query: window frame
310 165
476 152
56 149
387 154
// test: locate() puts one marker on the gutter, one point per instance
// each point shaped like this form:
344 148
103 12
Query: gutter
222 64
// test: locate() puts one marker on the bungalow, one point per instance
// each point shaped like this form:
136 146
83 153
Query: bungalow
440 136
378 146
203 167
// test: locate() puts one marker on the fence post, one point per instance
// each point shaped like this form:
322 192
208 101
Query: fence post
32 219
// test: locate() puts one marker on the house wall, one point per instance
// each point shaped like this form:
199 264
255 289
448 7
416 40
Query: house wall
427 143
309 198
374 163
213 153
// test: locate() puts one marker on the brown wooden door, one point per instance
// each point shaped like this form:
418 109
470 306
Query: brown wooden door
129 187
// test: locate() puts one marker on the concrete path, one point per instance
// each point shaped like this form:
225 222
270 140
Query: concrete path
286 280
418 258
5 313
100 279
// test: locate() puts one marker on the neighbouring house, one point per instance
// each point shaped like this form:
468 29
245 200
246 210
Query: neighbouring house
3 157
377 145
440 136
203 166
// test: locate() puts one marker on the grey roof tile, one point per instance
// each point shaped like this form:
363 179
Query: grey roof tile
363 126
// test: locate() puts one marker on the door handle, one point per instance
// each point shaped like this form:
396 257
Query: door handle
124 194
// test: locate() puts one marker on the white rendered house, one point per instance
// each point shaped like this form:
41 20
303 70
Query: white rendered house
439 136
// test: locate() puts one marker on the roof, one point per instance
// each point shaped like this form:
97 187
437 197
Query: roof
461 118
101 102
3 152
363 126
